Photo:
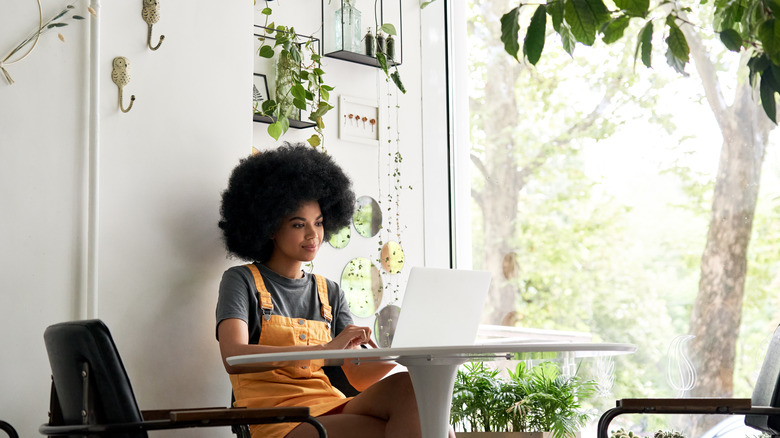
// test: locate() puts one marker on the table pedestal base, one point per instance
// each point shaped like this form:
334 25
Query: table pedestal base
433 380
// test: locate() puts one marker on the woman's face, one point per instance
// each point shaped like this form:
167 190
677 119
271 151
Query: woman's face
300 235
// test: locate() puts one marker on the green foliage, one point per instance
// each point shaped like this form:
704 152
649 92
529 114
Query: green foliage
536 399
622 433
308 91
749 25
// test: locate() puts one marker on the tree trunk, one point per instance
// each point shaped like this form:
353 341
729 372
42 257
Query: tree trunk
716 314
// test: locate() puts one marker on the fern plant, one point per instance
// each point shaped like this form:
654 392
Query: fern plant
536 399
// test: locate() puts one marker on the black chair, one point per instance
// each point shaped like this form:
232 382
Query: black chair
7 428
762 411
91 393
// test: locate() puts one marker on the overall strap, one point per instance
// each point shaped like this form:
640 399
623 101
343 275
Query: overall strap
265 296
322 291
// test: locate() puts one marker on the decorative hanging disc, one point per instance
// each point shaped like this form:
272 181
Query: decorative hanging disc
362 285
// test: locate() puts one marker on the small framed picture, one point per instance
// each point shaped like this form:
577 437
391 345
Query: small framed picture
259 92
358 120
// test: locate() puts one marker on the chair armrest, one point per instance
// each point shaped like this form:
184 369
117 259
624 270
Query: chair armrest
683 405
227 416
182 418
722 406
165 414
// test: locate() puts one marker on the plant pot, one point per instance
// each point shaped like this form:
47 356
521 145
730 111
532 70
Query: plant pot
503 434
507 435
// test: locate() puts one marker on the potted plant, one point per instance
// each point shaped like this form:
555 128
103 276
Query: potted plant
534 400
300 84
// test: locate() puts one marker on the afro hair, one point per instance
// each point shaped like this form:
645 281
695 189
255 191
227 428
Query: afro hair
271 185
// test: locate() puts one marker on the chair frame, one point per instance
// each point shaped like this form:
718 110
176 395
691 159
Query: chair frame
162 419
7 428
712 406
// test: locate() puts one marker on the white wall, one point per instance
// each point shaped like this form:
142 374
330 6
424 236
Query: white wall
162 168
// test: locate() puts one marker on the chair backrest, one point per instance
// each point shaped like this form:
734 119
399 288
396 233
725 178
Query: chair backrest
767 389
104 392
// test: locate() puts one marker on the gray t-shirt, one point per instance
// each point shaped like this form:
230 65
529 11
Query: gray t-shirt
293 298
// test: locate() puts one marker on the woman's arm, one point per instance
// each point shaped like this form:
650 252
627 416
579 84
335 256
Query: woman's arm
366 374
234 341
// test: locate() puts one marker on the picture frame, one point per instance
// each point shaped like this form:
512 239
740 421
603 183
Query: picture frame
359 120
260 92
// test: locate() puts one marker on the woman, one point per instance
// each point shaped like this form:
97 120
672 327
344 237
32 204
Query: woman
278 208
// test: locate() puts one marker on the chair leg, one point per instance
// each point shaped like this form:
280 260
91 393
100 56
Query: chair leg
317 425
603 426
7 428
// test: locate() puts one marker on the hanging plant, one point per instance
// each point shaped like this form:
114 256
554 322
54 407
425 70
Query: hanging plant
384 55
304 89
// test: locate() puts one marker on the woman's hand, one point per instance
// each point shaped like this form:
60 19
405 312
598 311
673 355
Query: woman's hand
351 337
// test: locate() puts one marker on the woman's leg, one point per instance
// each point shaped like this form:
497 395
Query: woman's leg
388 409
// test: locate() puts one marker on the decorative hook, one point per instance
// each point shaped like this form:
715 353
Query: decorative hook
151 15
121 77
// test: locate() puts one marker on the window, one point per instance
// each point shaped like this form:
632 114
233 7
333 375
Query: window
593 202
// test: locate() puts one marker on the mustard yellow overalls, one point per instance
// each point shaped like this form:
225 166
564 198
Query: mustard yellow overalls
289 386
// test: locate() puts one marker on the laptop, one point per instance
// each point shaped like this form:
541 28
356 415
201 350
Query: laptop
441 307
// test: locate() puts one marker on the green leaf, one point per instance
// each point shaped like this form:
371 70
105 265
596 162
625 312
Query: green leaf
327 87
774 6
78 17
510 29
397 79
555 9
731 39
319 72
769 35
585 17
676 62
266 11
269 106
382 59
388 29
275 130
614 30
284 122
756 65
645 44
300 104
314 140
635 8
676 41
56 25
533 45
767 91
325 94
266 52
567 39
321 110
298 91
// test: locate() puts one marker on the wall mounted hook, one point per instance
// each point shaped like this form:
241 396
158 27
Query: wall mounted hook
151 15
121 77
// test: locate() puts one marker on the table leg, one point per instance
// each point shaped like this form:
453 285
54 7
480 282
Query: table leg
433 381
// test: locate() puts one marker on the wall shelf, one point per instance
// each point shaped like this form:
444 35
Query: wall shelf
358 58
346 22
265 67
297 124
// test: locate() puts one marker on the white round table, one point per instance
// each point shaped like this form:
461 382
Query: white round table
433 369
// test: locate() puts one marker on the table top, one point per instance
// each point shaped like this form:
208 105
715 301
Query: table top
517 350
